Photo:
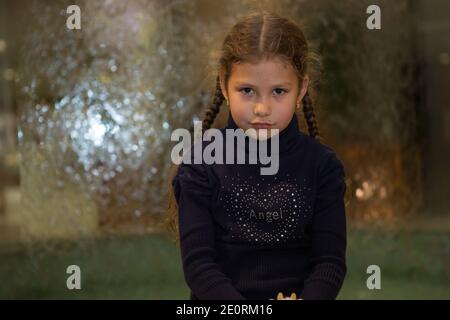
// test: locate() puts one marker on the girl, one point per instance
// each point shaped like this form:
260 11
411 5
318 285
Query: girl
244 235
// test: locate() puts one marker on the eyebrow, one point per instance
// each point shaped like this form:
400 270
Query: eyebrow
283 84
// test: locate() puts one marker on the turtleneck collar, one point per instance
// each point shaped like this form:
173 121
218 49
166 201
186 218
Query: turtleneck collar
288 137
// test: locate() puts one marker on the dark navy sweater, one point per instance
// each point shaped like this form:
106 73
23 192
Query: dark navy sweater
244 235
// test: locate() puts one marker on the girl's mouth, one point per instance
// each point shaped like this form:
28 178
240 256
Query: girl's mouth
261 125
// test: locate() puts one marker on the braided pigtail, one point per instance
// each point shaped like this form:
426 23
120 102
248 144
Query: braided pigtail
310 116
213 110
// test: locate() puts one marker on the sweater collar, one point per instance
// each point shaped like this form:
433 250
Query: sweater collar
288 137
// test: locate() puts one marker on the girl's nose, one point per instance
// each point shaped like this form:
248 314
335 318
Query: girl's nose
262 110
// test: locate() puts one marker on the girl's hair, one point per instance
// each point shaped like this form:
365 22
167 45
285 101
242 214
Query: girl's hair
255 37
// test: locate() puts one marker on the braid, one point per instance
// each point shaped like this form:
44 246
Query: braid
310 117
214 109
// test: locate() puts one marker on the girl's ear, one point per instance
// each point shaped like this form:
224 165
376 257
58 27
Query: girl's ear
304 88
222 84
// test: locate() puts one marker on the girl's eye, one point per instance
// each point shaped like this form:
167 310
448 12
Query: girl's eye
276 91
246 91
279 91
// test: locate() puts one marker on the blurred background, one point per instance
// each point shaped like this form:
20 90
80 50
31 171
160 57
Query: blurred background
86 117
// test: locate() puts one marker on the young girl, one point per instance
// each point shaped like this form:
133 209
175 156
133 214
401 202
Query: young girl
244 235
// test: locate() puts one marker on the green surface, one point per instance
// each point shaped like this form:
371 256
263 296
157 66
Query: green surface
414 265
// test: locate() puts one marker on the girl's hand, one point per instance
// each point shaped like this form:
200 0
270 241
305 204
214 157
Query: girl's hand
293 296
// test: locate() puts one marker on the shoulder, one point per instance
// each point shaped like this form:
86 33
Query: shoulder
325 157
192 174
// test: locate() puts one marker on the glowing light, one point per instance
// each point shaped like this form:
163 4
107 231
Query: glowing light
96 131
359 193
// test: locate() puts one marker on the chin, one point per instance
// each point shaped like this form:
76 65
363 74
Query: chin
261 134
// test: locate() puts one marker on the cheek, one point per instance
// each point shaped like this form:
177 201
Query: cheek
239 105
284 114
285 107
242 115
239 112
239 99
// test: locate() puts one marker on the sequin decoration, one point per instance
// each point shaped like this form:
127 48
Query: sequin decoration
266 210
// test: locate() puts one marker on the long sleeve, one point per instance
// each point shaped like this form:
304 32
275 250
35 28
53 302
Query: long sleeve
328 233
193 193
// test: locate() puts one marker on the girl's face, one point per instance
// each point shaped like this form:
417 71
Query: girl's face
263 95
